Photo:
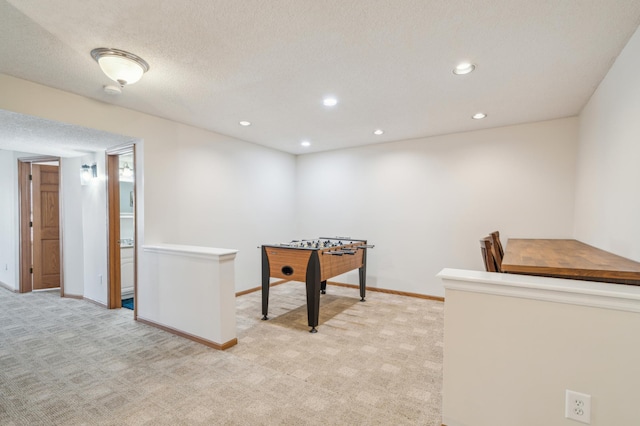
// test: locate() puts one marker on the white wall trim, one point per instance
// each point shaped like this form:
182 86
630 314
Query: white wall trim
575 292
218 254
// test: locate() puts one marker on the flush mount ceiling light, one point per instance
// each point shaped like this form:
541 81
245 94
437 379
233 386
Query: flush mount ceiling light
245 123
329 101
464 68
305 143
118 65
378 132
479 116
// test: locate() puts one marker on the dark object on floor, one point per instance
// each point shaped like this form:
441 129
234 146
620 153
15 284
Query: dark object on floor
128 303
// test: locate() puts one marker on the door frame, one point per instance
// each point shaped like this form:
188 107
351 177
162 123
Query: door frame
113 218
25 283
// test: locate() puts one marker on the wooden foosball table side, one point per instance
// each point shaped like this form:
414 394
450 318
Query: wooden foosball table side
313 267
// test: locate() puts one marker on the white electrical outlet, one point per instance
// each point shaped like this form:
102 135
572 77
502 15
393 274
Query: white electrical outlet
577 406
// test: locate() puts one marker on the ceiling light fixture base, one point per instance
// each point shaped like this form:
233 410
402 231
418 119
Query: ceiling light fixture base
112 90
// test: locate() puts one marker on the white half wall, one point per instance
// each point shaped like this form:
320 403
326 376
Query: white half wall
425 203
193 292
607 194
513 344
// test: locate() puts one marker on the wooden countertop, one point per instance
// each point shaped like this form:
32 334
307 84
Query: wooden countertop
568 259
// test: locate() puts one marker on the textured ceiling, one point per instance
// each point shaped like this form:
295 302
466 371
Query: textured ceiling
389 62
24 133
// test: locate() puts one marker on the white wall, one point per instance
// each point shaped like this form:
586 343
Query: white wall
72 226
8 217
214 192
200 188
425 203
608 196
94 232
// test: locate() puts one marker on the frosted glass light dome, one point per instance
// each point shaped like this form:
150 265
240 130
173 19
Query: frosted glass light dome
120 66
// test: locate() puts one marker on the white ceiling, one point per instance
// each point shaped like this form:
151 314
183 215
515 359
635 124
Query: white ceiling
389 62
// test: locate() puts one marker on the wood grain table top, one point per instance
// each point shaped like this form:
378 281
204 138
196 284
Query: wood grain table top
568 259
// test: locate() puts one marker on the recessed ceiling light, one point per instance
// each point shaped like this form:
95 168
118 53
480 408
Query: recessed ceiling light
464 68
305 143
245 123
378 132
479 116
330 101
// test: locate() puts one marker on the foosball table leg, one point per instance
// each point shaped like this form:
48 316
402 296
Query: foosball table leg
362 275
313 285
265 284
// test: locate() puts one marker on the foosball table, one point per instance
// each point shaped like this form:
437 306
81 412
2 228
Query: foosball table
313 262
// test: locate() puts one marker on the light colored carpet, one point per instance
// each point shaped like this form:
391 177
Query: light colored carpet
70 362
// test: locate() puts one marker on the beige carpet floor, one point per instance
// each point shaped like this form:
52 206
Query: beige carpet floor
70 362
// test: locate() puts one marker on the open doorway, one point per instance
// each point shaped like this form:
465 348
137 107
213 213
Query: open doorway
40 235
122 227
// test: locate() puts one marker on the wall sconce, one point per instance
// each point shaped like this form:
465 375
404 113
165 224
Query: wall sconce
120 66
88 173
126 171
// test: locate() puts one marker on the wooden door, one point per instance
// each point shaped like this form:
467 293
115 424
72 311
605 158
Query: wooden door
114 299
46 227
